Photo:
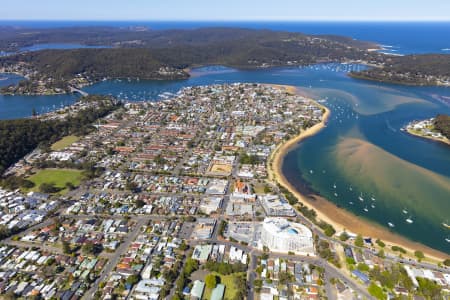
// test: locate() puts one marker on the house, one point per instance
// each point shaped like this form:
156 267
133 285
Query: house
218 292
197 290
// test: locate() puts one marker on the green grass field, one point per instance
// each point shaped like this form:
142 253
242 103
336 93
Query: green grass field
57 176
230 288
64 142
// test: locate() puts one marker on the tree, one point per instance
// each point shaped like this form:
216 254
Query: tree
139 203
447 262
359 241
210 281
70 186
49 188
380 243
376 291
419 255
381 253
429 288
329 230
132 186
88 248
133 279
191 266
344 236
66 247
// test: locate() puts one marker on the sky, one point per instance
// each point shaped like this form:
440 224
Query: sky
227 10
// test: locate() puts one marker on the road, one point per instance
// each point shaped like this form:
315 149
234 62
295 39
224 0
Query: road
332 271
107 269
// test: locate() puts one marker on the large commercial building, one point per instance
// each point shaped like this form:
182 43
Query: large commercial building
280 235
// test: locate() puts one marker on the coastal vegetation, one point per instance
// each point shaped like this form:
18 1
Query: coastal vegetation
424 69
20 137
442 125
56 71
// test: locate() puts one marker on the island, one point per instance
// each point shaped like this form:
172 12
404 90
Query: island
437 129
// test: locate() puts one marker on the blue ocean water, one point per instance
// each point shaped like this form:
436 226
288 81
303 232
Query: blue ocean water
402 172
400 37
39 47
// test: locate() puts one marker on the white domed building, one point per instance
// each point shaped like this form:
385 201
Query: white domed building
280 235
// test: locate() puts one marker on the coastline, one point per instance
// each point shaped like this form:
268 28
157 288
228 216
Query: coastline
446 141
327 211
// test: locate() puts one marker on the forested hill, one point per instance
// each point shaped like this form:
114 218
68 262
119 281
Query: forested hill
164 54
19 137
13 39
425 69
442 124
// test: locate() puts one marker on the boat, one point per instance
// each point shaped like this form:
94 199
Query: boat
405 211
335 194
311 171
409 220
334 185
391 225
351 203
350 188
373 206
365 209
446 225
372 198
447 240
360 197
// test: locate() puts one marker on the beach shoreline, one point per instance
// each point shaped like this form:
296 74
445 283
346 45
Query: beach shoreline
327 211
430 138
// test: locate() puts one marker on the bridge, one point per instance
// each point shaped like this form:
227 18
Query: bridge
75 90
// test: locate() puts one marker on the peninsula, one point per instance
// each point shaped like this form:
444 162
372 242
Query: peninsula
139 191
165 54
436 129
420 70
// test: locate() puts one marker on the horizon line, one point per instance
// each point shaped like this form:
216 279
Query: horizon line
230 21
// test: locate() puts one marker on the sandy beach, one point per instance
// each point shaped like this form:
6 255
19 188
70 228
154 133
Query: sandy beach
327 211
443 140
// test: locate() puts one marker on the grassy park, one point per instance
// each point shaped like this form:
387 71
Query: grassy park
64 142
58 177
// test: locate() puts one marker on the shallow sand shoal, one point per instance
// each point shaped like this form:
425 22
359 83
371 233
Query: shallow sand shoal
327 211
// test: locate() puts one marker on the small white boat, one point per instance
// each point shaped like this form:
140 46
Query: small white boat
335 194
447 240
405 211
391 225
360 197
373 206
351 203
409 220
350 188
372 198
311 171
334 185
365 209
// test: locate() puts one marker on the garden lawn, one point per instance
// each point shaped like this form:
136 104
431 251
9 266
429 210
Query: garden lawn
228 281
